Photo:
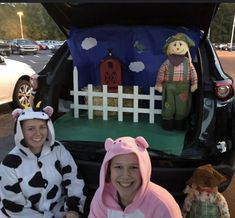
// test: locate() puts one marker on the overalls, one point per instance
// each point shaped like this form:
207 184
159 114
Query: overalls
176 96
201 209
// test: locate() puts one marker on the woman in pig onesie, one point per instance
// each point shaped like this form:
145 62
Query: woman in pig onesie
125 188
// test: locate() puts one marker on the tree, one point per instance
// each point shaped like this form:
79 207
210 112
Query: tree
221 26
37 24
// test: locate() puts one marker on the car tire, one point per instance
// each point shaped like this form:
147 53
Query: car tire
21 94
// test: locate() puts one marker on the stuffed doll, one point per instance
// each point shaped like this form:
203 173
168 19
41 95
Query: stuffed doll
203 199
176 79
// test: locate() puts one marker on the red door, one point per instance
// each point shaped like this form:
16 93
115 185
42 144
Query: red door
110 73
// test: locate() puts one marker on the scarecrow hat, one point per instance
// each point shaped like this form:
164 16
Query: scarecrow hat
206 176
179 37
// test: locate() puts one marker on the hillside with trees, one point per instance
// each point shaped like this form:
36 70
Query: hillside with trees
221 26
38 25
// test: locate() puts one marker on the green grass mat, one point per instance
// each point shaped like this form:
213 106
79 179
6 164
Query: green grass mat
97 130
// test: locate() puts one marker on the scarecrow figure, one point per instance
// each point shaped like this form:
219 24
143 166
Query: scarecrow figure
203 199
176 79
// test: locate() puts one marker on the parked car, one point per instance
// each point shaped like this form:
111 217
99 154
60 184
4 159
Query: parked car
96 29
222 46
49 44
42 45
24 46
56 46
14 82
5 48
230 48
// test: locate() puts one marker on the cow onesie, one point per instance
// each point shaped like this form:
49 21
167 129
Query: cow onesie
43 185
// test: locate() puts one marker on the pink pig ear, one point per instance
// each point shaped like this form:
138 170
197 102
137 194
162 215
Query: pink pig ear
48 110
140 141
16 113
108 143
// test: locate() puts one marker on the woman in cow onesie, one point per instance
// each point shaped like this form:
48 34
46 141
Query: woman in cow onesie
38 177
125 188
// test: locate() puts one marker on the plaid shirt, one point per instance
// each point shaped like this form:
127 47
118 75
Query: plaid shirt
163 73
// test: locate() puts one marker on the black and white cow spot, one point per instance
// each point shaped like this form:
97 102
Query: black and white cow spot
62 209
52 193
79 176
24 153
12 206
12 161
54 145
35 198
72 203
38 181
4 212
66 183
14 188
58 167
52 205
66 169
39 164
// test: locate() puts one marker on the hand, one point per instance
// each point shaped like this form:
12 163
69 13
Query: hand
193 87
158 87
34 81
70 214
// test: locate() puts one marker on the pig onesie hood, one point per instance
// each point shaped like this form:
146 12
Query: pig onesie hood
151 201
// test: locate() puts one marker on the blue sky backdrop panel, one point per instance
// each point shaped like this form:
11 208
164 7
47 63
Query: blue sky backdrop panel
138 48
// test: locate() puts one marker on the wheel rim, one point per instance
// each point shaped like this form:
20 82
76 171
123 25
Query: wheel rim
24 94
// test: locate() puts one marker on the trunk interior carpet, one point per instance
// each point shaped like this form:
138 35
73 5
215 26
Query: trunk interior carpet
68 128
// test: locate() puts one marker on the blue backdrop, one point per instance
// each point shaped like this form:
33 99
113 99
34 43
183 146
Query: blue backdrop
139 49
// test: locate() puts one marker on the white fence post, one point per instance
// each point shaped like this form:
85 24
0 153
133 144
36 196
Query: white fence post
89 94
151 104
74 93
90 101
120 103
105 102
136 105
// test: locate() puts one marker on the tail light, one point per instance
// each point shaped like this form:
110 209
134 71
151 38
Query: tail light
224 90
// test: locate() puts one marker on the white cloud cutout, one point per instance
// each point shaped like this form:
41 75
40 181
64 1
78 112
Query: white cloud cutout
89 43
136 66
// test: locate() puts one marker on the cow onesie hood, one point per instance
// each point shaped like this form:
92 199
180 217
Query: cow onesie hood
151 201
39 185
27 114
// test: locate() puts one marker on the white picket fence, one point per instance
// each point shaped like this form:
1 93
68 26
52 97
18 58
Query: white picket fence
120 108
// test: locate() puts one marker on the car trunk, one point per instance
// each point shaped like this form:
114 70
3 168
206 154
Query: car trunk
117 19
